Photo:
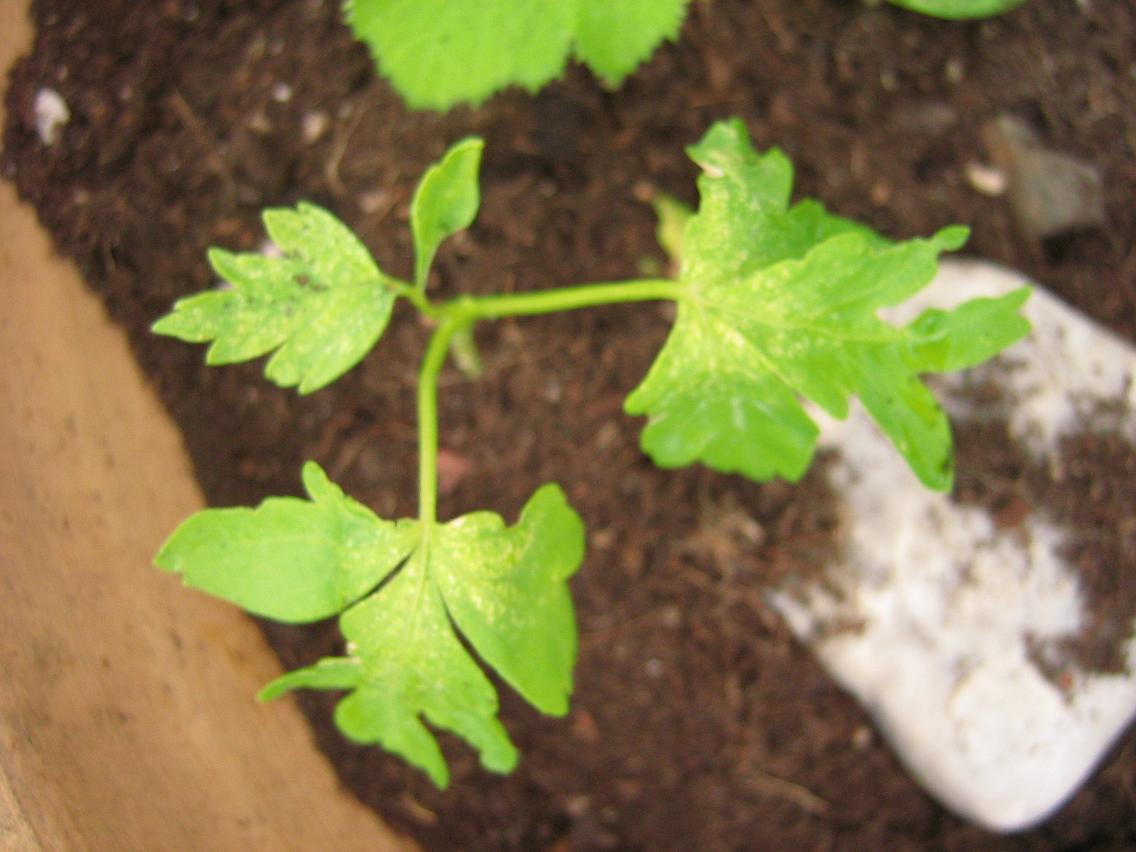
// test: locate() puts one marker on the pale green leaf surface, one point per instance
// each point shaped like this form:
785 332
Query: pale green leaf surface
781 305
326 248
744 222
289 559
441 52
959 9
614 36
505 589
445 202
322 306
414 666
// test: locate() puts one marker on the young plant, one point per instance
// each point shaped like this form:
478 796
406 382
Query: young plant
439 53
776 304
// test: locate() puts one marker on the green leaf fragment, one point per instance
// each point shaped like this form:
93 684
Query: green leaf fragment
445 202
945 341
442 52
613 38
328 673
959 9
321 307
744 222
505 589
781 305
672 215
289 559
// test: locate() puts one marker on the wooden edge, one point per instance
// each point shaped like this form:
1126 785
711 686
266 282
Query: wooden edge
127 718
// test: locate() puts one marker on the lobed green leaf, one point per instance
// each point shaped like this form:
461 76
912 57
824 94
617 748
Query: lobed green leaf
321 307
442 52
289 559
781 306
504 588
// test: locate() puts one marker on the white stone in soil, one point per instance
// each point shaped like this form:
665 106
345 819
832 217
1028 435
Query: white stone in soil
51 114
949 603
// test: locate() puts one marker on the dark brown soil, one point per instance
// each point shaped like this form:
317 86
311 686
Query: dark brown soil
1088 489
697 722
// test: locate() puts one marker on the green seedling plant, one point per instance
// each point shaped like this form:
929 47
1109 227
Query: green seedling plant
438 53
776 305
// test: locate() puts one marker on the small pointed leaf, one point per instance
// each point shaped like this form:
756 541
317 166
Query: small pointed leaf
672 216
328 673
445 202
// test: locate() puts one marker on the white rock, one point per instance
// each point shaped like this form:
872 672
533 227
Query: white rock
51 113
948 602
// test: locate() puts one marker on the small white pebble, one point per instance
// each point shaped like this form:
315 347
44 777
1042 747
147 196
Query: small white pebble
862 738
314 125
954 70
270 249
987 179
51 113
258 123
281 93
373 200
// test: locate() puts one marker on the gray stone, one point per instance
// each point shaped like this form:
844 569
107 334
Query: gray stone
1051 193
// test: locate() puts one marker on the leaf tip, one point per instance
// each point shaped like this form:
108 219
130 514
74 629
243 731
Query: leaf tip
272 690
316 481
952 237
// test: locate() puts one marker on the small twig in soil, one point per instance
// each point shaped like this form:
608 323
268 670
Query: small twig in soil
804 798
205 139
338 150
418 811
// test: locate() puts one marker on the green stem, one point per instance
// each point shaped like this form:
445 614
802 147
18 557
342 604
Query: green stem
412 295
564 299
428 419
459 314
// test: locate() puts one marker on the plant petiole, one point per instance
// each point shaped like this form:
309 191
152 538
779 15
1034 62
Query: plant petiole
456 318
564 299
